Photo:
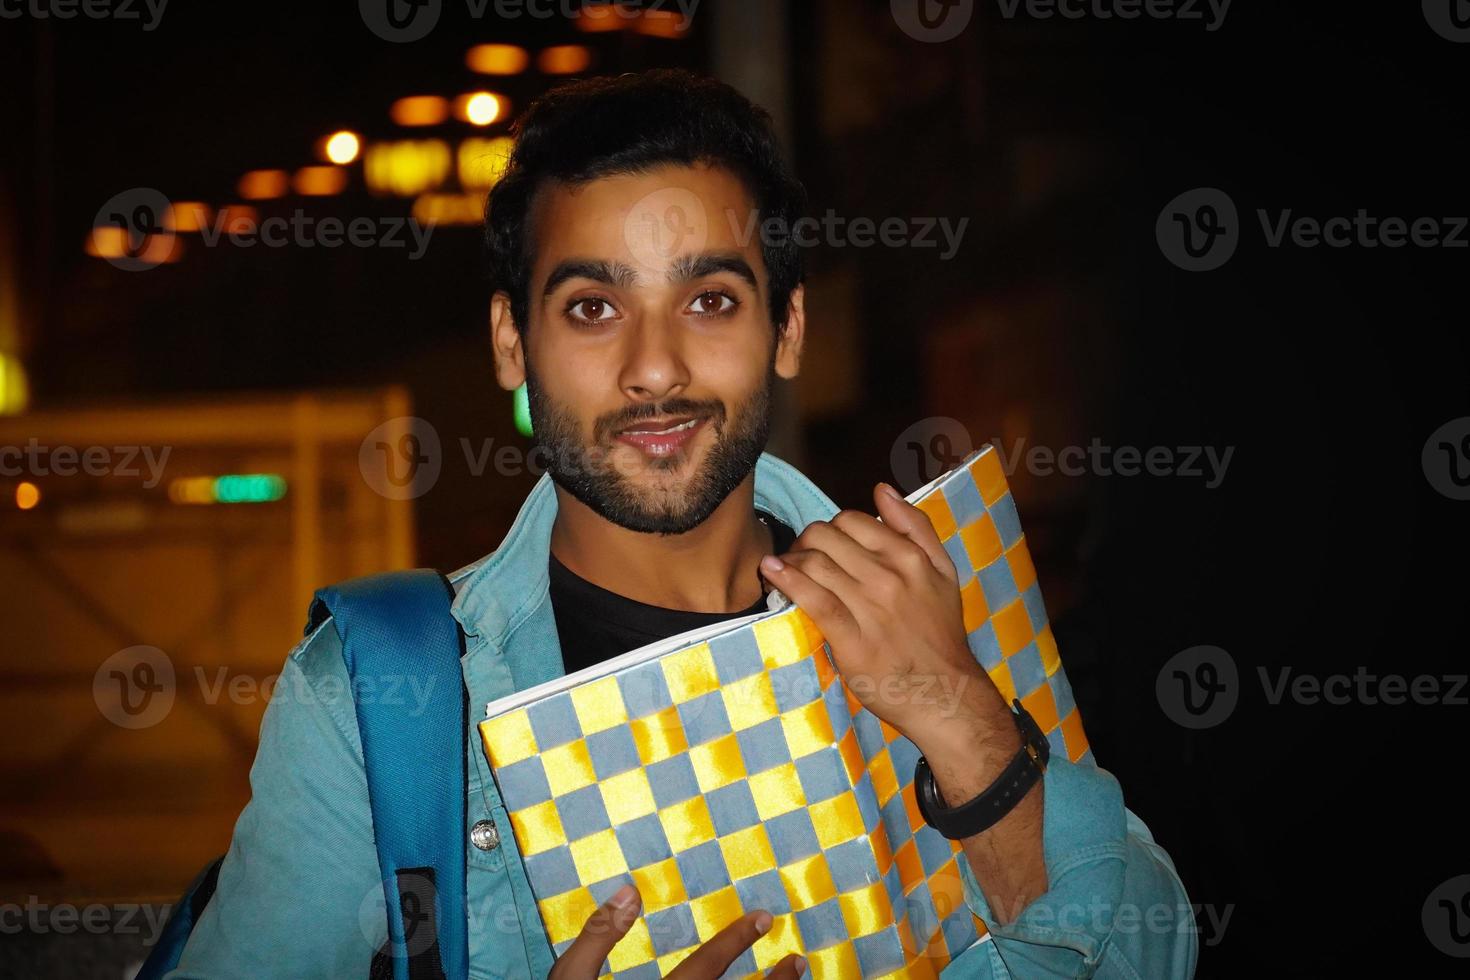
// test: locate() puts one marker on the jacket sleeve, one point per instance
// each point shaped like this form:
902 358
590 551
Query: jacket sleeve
1115 907
298 893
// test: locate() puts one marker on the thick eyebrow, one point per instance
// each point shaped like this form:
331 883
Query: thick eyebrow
598 270
621 275
690 267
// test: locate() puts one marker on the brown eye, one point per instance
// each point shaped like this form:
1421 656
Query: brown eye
593 309
712 304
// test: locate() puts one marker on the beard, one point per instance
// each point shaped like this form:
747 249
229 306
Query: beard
591 474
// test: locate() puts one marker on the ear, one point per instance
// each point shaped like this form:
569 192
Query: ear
505 339
789 343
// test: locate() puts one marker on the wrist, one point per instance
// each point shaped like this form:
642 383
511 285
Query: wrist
963 800
974 724
963 768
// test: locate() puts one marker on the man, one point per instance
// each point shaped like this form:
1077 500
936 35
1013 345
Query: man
649 328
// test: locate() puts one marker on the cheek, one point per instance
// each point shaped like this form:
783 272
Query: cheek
584 385
734 366
574 376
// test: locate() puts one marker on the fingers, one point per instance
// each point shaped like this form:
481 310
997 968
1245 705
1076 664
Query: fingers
868 531
825 569
584 957
789 968
901 538
797 578
715 956
915 525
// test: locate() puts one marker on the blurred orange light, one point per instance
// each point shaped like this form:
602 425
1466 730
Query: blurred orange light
192 490
420 110
482 161
497 59
602 17
238 219
15 387
449 209
262 185
320 181
27 495
662 23
108 242
112 242
186 216
479 108
342 147
564 59
406 167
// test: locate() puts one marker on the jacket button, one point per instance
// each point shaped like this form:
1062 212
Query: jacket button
485 835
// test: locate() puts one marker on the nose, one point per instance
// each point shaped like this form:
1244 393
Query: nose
654 367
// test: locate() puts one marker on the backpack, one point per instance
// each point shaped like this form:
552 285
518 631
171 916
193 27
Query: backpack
393 625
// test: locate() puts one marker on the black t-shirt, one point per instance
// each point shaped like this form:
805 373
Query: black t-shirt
594 624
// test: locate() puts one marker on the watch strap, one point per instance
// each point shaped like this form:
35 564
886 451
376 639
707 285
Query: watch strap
984 811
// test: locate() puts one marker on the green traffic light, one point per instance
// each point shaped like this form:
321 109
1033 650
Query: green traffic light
249 488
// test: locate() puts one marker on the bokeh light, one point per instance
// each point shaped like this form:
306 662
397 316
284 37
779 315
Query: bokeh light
420 110
27 495
497 59
342 147
262 185
319 181
564 59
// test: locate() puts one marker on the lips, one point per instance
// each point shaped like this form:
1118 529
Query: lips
661 426
663 437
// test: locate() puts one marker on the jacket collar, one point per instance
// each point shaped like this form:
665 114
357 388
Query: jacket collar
503 600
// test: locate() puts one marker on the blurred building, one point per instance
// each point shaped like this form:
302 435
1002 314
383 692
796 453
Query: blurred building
160 561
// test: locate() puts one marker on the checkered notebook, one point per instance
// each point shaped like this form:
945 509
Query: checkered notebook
728 769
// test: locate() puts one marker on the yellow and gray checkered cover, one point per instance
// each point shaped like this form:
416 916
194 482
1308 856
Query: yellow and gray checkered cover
739 773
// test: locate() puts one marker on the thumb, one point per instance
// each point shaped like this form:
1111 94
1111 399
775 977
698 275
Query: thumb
610 923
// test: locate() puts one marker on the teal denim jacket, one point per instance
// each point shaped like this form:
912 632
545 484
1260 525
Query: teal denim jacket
299 894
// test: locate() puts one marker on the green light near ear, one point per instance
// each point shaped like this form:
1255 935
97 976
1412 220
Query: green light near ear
521 408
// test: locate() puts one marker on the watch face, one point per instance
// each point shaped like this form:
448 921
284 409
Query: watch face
926 793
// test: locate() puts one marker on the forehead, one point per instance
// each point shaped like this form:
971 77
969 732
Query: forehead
646 220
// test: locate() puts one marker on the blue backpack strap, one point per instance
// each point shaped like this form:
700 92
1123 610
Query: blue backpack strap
403 649
169 947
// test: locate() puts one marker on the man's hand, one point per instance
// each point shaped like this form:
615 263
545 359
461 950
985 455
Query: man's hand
584 957
886 595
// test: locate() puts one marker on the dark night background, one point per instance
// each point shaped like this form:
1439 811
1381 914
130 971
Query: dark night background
1325 547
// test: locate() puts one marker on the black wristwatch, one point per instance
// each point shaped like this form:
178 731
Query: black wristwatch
986 810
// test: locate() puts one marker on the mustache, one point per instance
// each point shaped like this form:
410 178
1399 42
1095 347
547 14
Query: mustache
609 425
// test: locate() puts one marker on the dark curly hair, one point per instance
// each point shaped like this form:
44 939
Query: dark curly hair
630 124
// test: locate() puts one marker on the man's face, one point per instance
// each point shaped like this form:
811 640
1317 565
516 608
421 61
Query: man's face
650 358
